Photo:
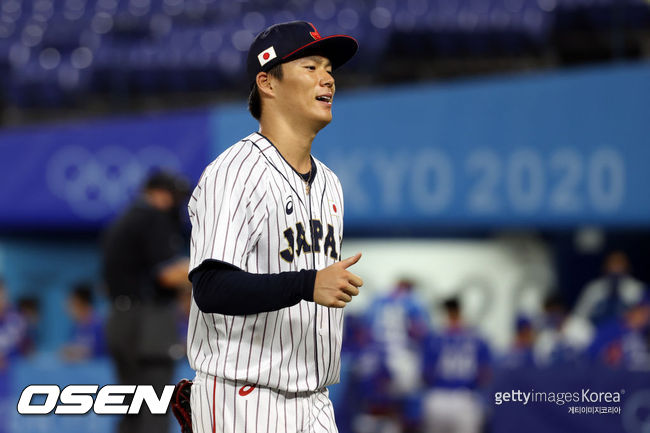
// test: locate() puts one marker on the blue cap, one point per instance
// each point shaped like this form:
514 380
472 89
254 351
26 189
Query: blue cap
288 41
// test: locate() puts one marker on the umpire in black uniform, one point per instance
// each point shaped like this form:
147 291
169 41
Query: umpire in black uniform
145 267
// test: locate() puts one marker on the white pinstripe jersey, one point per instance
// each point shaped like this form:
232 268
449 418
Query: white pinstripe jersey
251 209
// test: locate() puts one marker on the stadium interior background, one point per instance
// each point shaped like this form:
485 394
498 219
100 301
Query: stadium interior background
495 151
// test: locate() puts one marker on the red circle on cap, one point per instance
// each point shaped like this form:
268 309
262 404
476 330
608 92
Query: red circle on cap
334 206
266 56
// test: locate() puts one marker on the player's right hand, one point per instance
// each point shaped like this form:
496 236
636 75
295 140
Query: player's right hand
335 285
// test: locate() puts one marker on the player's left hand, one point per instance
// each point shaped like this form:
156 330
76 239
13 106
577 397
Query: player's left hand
335 285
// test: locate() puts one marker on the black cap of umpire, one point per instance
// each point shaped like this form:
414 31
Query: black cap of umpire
176 184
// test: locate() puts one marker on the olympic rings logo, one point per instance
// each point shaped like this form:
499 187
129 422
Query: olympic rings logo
97 184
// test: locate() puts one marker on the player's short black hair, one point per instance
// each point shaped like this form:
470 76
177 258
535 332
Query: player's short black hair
83 292
452 305
28 303
254 100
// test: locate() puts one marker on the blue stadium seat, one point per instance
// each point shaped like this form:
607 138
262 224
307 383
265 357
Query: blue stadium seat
184 45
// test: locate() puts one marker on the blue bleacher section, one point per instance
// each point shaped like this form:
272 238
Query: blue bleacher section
55 51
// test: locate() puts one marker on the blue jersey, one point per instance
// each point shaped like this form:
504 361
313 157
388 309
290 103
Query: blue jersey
617 345
455 359
12 332
518 357
91 336
398 318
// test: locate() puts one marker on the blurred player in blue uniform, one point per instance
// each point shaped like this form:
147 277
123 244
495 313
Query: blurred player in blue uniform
521 353
624 342
562 338
399 324
29 309
349 397
12 331
87 334
456 365
609 296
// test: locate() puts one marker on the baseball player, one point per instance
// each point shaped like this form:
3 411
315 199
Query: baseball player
456 364
269 284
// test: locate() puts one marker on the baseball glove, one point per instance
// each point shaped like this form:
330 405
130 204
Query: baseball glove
181 405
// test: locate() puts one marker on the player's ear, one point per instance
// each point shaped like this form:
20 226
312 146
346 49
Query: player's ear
264 83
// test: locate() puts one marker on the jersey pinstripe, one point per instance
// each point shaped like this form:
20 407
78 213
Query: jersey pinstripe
219 405
251 209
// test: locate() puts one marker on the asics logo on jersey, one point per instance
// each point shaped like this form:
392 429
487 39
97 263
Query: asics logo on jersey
246 389
297 241
289 207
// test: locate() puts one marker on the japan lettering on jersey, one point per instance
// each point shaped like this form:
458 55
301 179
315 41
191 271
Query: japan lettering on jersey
252 210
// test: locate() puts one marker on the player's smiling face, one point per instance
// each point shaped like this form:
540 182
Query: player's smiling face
306 90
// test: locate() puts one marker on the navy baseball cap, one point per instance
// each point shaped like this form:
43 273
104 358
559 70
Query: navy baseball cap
288 41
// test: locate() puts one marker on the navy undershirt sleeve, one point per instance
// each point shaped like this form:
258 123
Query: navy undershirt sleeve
222 288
